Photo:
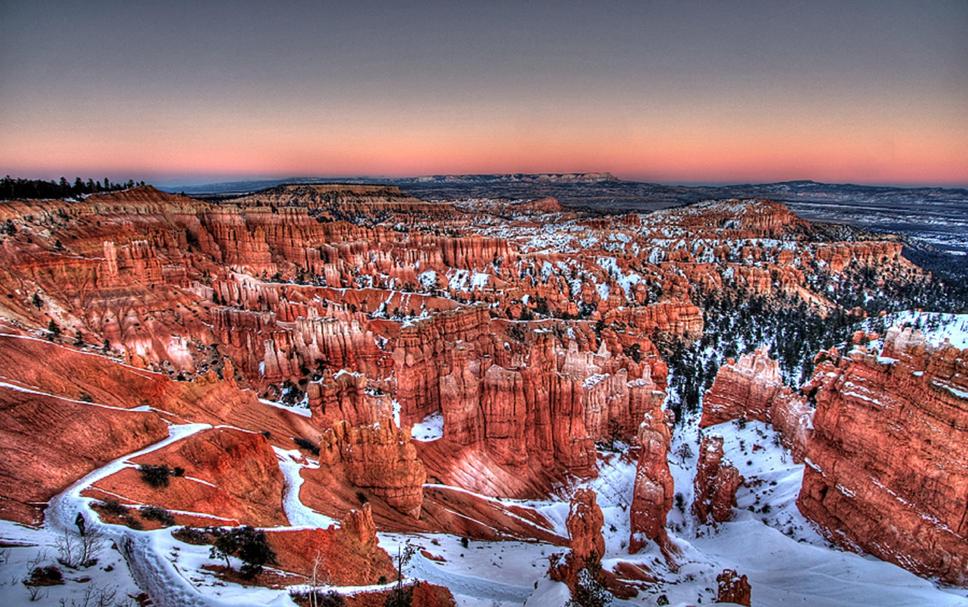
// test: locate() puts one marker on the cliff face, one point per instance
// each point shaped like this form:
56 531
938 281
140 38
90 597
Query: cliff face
69 411
526 399
887 471
751 388
48 442
584 523
439 355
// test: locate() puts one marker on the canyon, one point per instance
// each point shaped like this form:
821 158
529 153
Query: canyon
493 388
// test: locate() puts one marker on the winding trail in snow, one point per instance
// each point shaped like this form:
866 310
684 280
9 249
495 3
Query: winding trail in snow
156 575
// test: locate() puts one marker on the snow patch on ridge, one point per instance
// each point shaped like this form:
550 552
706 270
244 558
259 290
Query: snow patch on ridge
430 429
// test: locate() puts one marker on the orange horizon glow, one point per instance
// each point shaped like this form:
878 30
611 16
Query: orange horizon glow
701 143
713 158
660 92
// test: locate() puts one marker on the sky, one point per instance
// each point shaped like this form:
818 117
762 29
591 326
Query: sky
672 92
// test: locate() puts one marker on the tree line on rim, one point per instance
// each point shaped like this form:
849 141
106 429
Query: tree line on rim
17 187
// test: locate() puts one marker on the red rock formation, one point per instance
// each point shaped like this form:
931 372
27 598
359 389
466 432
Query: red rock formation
886 470
345 397
420 349
423 594
229 474
49 442
654 489
751 388
715 484
537 403
348 555
676 318
431 595
531 343
732 588
866 253
584 523
53 440
341 200
380 459
745 218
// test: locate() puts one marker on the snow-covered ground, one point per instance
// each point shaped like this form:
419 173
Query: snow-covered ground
937 327
785 559
26 548
769 541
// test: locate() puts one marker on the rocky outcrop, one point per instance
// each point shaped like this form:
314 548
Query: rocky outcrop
229 475
654 489
676 318
520 331
584 523
378 458
420 349
864 254
543 401
347 555
422 594
346 396
751 389
886 470
732 588
715 484
346 200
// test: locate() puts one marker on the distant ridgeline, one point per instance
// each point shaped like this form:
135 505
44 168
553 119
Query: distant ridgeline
13 188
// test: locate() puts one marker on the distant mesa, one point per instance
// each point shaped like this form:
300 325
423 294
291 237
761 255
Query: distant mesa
556 178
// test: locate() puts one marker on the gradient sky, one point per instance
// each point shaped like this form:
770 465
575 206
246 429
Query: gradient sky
868 92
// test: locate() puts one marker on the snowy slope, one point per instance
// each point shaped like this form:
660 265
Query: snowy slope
786 560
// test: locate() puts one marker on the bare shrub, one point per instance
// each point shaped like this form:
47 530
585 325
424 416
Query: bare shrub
76 551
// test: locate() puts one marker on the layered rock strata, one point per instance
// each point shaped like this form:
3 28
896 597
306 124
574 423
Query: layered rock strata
887 472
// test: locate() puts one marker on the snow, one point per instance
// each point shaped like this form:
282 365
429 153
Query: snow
602 291
29 548
935 326
299 514
480 280
430 429
786 560
955 391
26 390
484 573
302 410
549 593
428 279
146 553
